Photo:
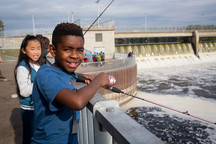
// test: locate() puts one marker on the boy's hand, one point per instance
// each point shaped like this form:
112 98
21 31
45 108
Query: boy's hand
103 79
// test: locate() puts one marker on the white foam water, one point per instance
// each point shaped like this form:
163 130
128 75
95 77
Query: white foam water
203 108
188 88
174 60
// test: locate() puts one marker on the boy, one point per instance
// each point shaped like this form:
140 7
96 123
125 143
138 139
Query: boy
55 99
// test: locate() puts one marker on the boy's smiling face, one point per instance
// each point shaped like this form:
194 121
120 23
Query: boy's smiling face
69 53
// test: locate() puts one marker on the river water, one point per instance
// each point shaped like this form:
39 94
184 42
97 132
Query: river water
189 88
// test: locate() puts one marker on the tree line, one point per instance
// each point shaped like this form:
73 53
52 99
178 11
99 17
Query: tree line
201 27
1 25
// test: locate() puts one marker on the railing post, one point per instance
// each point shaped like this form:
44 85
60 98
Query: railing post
101 136
86 132
2 39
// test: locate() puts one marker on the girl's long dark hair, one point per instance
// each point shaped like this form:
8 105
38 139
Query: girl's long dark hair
44 41
24 57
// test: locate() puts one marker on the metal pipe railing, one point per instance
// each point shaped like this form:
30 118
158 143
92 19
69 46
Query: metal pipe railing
102 121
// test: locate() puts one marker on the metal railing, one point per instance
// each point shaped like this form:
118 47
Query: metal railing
85 22
162 28
103 122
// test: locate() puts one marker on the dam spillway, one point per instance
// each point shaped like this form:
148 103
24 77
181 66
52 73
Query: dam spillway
170 54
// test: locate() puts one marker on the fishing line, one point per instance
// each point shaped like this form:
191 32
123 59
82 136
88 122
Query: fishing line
98 17
116 90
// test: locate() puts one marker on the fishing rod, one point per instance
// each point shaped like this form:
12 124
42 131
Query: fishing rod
117 90
98 17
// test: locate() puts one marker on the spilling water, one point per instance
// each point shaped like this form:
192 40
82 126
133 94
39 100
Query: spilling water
172 54
186 84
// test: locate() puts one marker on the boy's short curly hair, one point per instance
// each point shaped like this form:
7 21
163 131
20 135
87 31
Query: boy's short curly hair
65 29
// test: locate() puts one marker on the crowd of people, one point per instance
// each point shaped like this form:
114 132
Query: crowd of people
98 58
49 102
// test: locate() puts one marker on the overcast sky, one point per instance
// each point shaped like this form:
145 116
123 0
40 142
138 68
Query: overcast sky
17 14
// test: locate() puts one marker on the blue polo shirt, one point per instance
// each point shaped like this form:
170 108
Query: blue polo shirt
53 122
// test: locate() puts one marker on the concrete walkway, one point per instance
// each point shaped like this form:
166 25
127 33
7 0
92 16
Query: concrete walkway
10 120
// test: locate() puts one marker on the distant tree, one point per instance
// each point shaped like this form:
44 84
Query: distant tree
201 27
1 25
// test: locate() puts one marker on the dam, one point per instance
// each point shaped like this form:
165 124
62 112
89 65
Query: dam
171 54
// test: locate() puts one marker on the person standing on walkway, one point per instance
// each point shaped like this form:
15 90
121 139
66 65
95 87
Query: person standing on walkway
56 100
25 71
0 58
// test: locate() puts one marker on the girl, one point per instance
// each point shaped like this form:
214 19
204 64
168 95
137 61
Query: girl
25 71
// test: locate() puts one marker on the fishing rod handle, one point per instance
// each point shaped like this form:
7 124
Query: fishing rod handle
112 79
81 79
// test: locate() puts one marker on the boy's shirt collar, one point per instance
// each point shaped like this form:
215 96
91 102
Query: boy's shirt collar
71 75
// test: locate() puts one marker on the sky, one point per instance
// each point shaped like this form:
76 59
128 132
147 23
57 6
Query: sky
17 14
